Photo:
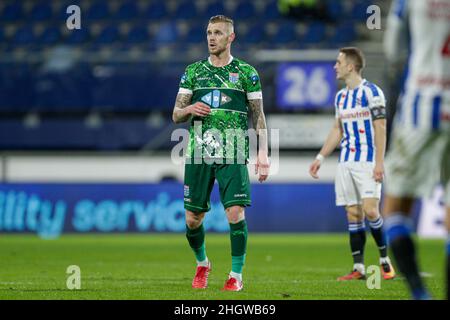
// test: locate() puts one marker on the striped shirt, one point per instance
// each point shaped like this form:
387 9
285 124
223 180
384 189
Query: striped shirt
353 108
424 27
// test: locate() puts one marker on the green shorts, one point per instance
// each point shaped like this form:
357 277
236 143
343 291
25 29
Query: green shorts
234 185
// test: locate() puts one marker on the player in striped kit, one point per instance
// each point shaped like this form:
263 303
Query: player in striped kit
361 131
419 155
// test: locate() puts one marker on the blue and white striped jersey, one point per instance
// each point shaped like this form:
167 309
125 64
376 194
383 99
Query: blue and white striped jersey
354 109
424 27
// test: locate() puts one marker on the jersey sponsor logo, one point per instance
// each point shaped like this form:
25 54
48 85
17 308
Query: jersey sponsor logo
254 79
233 77
186 190
183 78
353 115
215 99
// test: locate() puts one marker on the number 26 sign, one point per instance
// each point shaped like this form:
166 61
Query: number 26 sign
306 85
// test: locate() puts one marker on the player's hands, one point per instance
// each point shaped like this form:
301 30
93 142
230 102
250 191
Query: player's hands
314 168
378 172
262 166
199 109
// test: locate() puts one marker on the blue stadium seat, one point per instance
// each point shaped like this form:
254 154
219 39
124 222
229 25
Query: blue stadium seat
156 10
186 10
358 11
127 11
98 10
285 34
24 36
214 9
196 34
315 33
12 12
244 11
138 34
41 12
271 11
254 35
49 36
108 35
13 79
77 37
335 10
343 34
167 34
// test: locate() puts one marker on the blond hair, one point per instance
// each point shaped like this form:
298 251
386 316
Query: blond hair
225 19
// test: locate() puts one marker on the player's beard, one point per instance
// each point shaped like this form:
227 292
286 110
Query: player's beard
218 50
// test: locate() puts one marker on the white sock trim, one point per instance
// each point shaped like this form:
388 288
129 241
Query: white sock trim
237 276
203 263
359 267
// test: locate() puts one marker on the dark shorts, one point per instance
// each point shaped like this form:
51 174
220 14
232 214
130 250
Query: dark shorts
234 185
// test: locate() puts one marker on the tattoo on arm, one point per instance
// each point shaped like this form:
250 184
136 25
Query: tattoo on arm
259 122
258 117
182 101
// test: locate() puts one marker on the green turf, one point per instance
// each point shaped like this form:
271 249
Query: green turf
161 266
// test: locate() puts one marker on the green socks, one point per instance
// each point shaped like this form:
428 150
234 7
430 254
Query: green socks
196 239
238 237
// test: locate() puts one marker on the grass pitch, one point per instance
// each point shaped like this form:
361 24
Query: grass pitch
161 266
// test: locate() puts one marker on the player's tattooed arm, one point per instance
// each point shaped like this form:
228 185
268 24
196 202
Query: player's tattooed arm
259 124
259 121
183 109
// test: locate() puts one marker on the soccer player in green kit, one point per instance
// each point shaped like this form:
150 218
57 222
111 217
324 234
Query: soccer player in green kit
217 93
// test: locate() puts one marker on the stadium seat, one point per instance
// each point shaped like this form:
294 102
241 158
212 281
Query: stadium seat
335 10
167 34
315 33
127 11
76 37
24 36
156 10
271 11
358 11
343 34
244 11
98 10
196 34
49 36
138 34
285 34
254 35
108 35
41 12
186 10
12 12
213 9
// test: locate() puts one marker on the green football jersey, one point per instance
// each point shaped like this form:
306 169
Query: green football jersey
222 135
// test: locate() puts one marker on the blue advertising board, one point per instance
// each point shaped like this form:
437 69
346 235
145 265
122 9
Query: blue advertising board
305 85
52 209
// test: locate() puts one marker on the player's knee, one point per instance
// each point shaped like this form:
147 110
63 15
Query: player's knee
354 214
371 212
235 214
194 220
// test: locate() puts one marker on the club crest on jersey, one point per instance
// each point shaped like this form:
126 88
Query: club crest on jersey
233 77
215 99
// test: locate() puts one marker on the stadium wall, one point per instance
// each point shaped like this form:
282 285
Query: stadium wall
51 195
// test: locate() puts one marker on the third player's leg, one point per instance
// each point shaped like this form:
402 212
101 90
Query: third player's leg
372 212
357 237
